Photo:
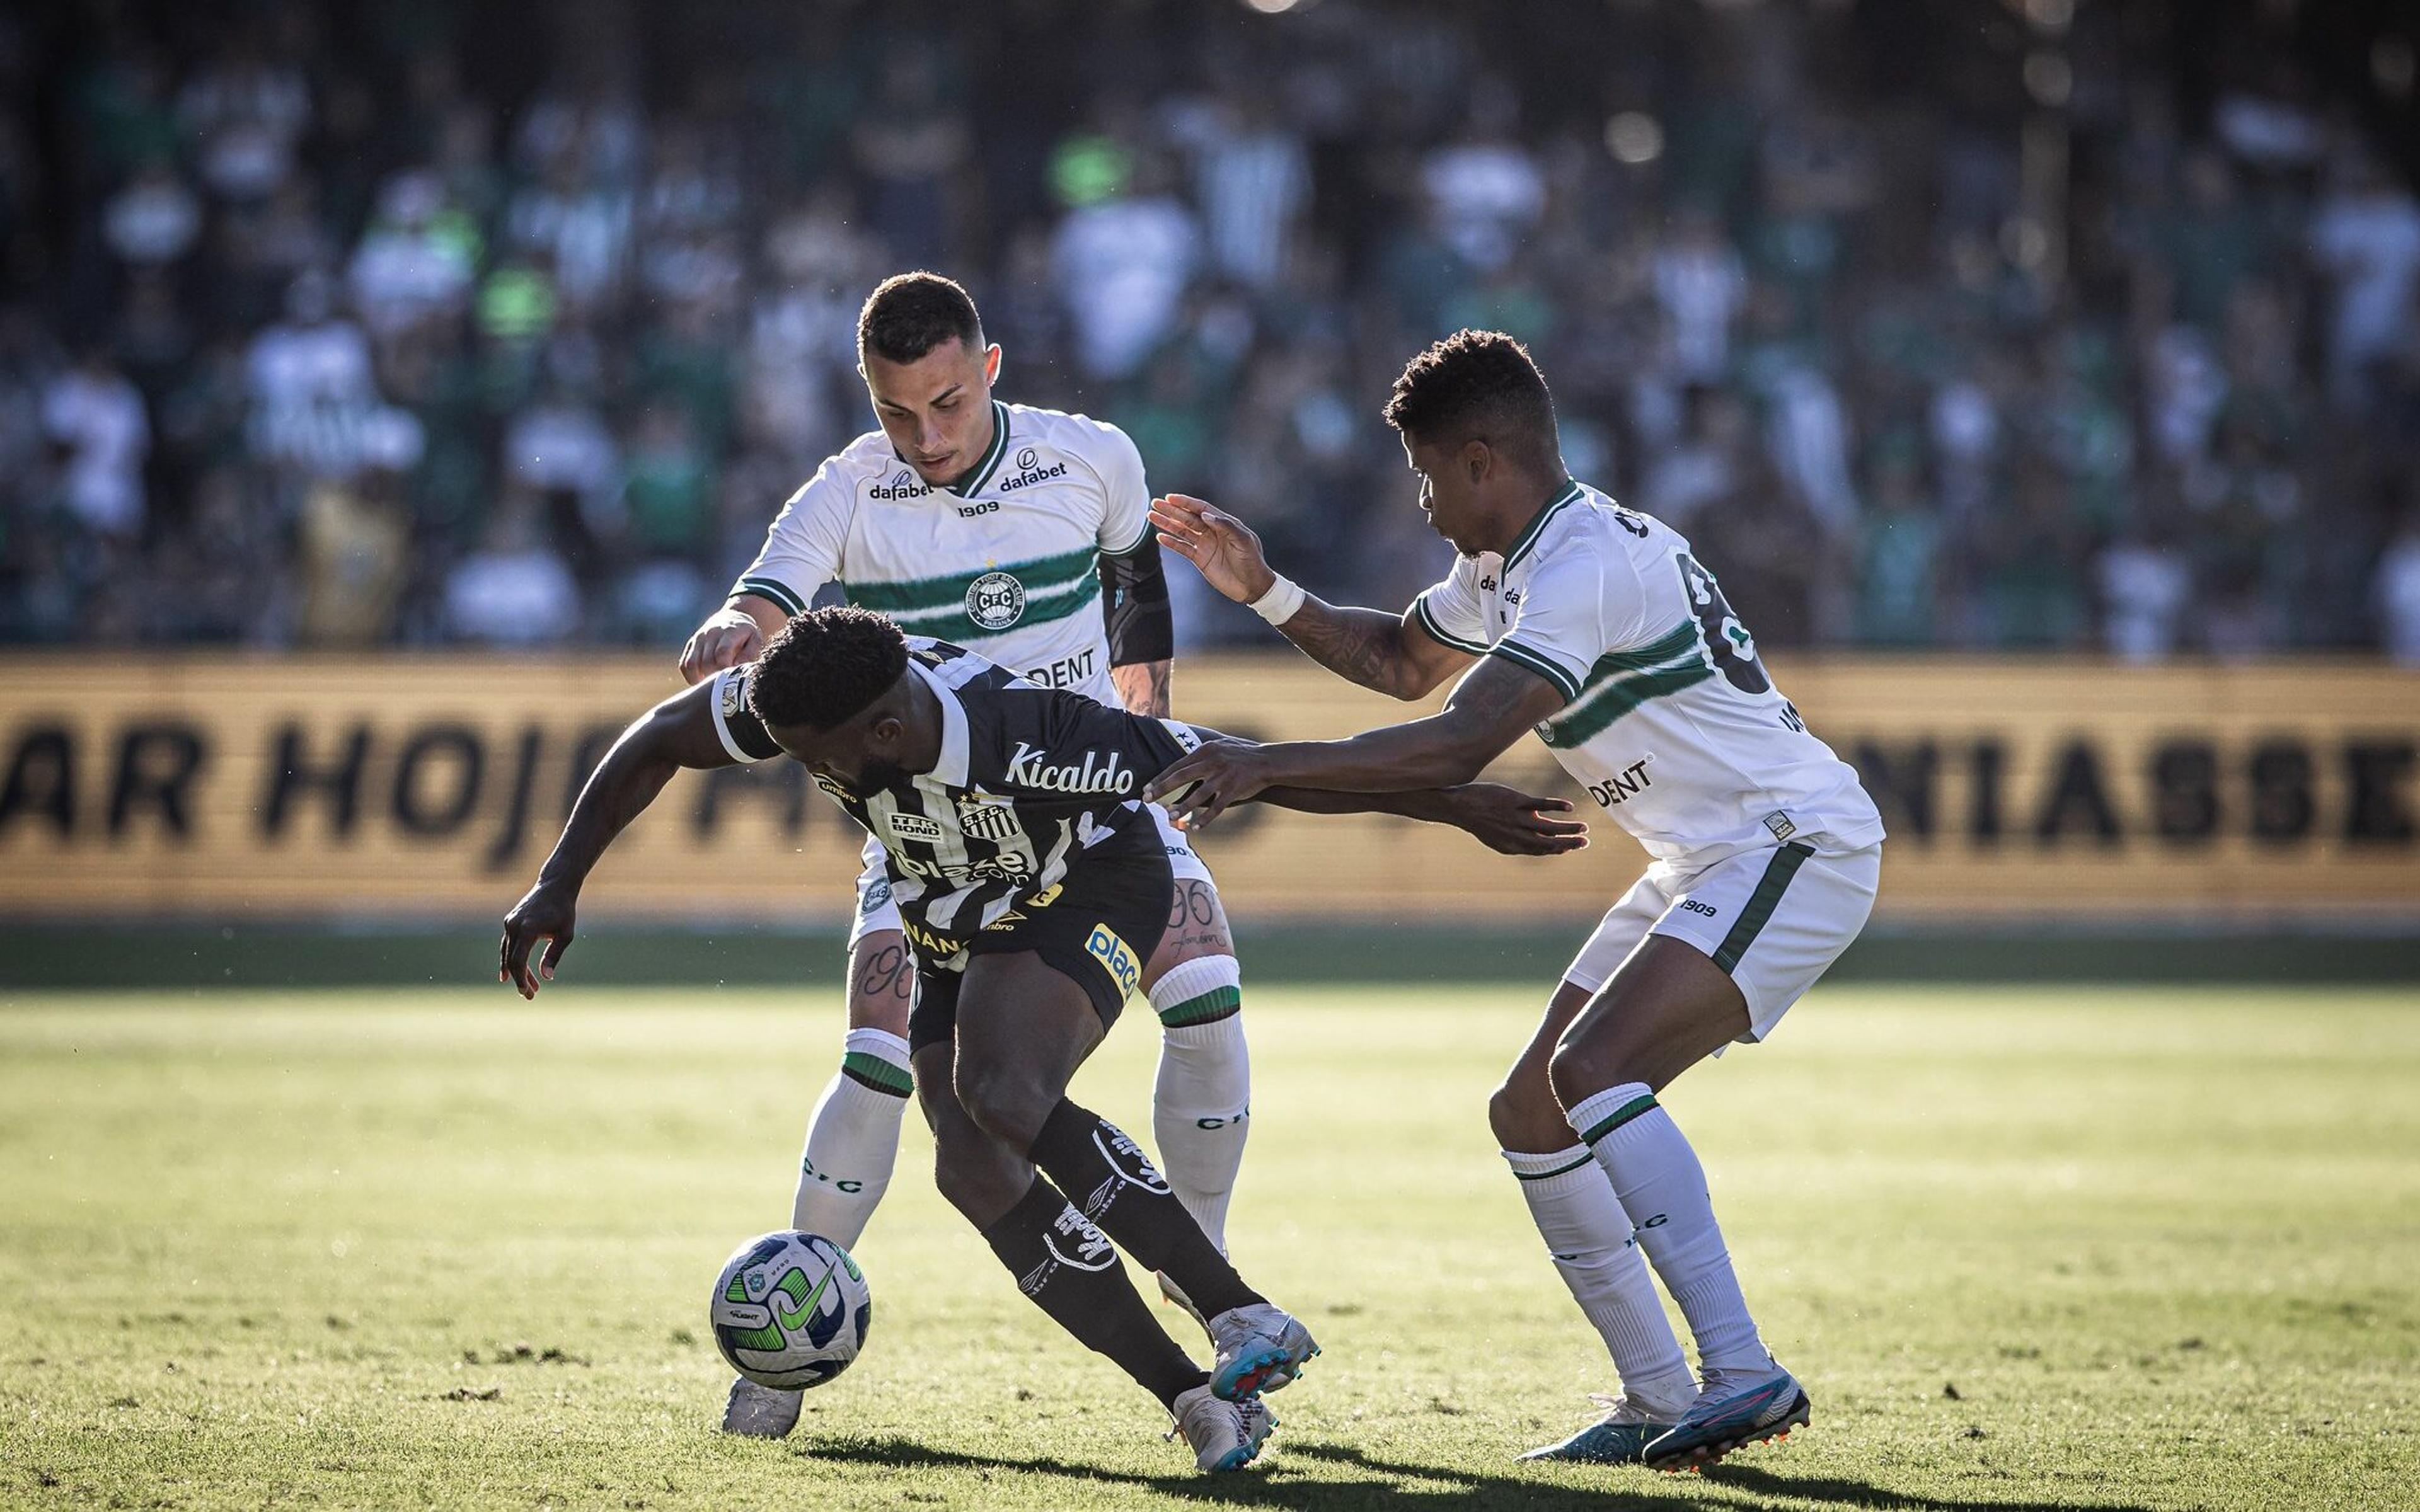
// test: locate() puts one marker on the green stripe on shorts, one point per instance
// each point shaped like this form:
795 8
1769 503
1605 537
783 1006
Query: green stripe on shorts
1761 903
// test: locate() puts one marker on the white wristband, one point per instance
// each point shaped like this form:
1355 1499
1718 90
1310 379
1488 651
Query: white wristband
1281 603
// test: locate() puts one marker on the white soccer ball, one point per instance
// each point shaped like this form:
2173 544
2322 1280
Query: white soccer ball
790 1310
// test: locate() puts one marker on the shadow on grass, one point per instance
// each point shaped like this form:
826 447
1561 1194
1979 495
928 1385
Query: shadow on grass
1288 1481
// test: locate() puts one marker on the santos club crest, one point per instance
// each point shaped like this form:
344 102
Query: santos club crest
995 601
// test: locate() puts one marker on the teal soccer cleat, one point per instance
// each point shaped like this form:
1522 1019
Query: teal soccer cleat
1621 1437
1730 1414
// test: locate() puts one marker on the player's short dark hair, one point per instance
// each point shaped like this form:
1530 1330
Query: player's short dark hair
908 315
823 668
1477 385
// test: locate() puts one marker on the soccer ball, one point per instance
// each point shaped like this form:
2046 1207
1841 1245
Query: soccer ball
790 1310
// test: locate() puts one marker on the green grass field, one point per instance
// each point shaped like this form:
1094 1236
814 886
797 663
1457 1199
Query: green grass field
2099 1248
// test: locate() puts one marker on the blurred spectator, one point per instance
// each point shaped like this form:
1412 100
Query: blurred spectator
2365 238
355 543
1701 285
96 417
154 220
1120 263
1487 187
515 590
2398 593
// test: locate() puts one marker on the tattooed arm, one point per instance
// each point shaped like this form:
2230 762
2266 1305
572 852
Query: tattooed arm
1143 686
1390 653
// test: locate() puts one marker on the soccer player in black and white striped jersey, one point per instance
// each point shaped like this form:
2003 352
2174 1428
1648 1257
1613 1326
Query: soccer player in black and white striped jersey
1031 885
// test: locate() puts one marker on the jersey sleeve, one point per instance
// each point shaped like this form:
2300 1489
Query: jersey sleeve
1574 611
1450 611
801 551
1126 498
734 723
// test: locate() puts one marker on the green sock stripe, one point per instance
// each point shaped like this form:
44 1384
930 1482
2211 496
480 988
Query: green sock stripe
1618 1116
1761 903
1212 1005
876 1073
1558 1170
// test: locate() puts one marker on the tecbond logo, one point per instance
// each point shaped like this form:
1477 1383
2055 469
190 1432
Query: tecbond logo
903 485
1095 776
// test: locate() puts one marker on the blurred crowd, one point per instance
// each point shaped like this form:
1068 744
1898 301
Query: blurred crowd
1955 325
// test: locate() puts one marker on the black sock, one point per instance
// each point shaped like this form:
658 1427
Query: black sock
1067 1267
1116 1185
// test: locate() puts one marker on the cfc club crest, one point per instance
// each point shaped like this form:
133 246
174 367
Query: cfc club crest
995 601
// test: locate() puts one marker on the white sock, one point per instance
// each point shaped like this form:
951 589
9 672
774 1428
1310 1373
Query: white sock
1662 1188
853 1139
1201 1108
1590 1238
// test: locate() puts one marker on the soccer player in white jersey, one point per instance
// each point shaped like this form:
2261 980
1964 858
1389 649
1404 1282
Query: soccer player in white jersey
1023 535
1598 628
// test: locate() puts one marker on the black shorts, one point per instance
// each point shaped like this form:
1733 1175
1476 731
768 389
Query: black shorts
1098 931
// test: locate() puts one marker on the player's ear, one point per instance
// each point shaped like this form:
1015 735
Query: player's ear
886 730
991 363
1478 460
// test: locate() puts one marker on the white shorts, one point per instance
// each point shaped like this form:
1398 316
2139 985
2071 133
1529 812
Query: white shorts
1774 920
875 912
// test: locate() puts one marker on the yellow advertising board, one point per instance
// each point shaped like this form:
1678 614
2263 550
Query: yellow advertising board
429 787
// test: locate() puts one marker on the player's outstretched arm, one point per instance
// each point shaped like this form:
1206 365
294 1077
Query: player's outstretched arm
1500 818
675 734
1387 653
731 635
1489 710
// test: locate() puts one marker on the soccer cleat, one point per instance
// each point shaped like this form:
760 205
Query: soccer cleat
1621 1437
1223 1435
1176 1298
760 1411
1730 1412
1260 1347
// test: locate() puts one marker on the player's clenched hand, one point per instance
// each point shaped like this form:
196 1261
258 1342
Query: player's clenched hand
728 638
544 912
1202 786
1516 823
1223 547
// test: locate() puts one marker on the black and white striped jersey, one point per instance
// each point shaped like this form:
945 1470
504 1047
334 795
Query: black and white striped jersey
1033 780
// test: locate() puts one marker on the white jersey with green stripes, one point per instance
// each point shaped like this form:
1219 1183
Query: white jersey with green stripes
1004 561
1670 719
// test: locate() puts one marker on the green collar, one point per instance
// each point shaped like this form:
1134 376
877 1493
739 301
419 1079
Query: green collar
1538 522
975 477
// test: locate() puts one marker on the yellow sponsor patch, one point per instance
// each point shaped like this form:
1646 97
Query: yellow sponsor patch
1115 957
929 944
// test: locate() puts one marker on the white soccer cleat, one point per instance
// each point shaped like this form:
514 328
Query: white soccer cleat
1260 1348
757 1411
1223 1435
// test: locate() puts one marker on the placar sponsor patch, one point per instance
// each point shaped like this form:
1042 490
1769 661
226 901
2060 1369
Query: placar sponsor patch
1116 958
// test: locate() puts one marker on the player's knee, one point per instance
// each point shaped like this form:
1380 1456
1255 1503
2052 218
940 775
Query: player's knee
1580 1066
974 1175
1004 1102
1524 1116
